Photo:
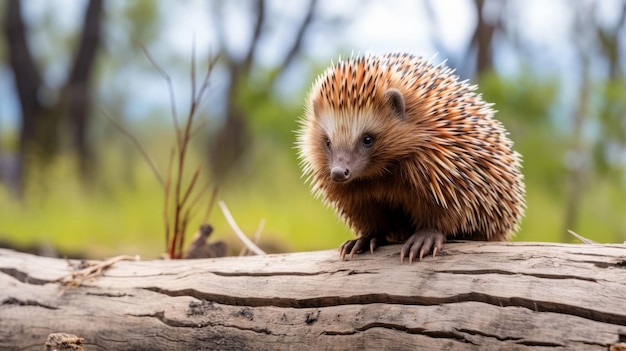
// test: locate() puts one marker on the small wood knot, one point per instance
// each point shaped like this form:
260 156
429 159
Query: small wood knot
63 342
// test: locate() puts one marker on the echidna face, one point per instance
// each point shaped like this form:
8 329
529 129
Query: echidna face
348 158
353 143
354 123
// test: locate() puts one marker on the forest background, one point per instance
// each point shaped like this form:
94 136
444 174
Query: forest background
69 180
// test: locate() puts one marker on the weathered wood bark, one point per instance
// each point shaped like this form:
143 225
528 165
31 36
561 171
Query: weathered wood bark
487 296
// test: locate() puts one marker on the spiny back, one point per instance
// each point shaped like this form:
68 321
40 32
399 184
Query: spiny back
453 150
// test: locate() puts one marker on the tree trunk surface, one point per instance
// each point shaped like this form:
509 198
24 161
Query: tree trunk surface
472 296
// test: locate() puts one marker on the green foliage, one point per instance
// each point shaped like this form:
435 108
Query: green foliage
270 187
524 106
123 213
57 211
523 101
266 116
609 149
143 17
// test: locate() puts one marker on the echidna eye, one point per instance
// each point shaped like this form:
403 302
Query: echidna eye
367 141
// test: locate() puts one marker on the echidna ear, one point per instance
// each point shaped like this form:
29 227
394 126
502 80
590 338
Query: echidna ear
395 100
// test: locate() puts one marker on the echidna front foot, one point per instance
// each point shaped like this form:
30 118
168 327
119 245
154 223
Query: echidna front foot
356 246
422 242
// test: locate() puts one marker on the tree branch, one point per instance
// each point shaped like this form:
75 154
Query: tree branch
256 34
76 90
138 145
296 45
28 79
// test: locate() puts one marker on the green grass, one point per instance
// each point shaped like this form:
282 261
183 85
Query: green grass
543 220
122 214
274 190
102 222
602 213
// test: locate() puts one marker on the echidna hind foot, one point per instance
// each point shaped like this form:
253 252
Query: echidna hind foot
416 246
422 242
356 246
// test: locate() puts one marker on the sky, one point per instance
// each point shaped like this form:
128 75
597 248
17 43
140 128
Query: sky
374 26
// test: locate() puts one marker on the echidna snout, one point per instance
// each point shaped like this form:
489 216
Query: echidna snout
340 174
340 169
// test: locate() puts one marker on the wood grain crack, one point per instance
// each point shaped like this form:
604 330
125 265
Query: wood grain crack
18 302
537 275
487 335
287 274
328 301
23 277
178 324
457 336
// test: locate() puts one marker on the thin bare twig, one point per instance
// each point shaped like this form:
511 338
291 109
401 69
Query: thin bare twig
192 183
166 210
231 221
170 89
193 68
182 152
180 224
182 210
138 145
93 269
582 238
198 128
192 206
199 195
255 238
205 82
300 32
197 97
183 230
256 34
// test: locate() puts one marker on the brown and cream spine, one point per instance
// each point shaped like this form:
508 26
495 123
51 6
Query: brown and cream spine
395 137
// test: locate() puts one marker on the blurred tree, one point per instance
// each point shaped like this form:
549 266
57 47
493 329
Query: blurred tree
28 81
601 105
43 120
576 157
234 136
129 25
77 90
609 41
478 56
524 103
489 21
610 150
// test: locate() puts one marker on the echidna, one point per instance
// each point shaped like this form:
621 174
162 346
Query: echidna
406 152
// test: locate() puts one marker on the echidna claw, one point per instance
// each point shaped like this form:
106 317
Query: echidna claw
421 243
356 246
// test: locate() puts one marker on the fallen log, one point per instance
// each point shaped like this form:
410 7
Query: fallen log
474 295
